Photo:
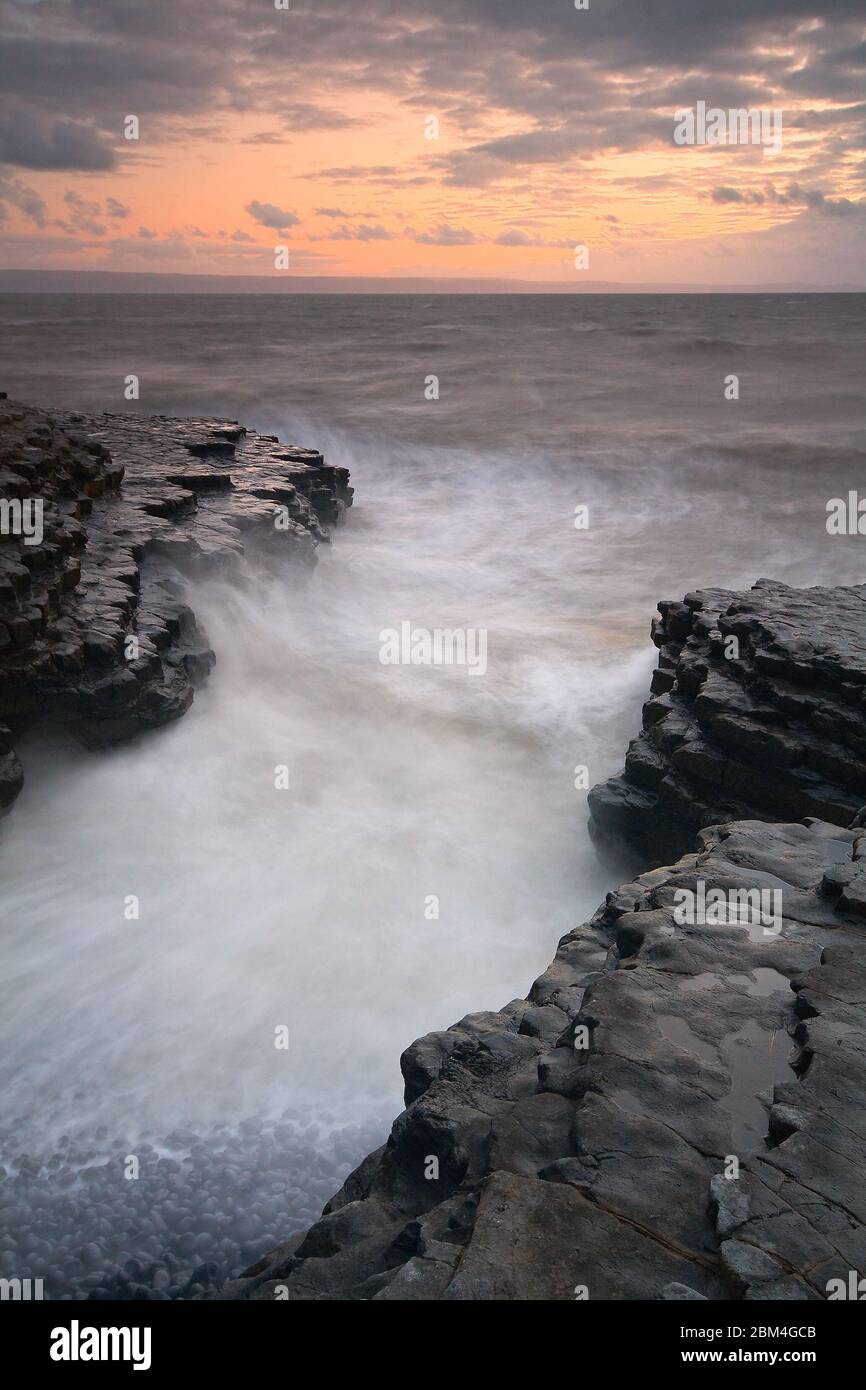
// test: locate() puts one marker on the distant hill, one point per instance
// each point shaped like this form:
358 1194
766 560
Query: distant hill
149 282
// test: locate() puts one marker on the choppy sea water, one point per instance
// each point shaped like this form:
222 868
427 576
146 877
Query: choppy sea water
309 908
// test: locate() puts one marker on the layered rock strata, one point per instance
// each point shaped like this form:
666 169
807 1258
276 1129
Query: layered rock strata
676 1110
99 516
757 710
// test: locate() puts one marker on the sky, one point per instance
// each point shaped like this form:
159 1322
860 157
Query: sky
528 140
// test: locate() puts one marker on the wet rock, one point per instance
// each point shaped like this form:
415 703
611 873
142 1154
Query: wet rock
92 633
756 712
570 1154
729 1203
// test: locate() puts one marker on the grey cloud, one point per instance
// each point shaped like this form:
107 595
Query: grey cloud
307 115
353 172
516 236
445 235
85 214
74 69
53 144
531 147
265 137
360 233
725 194
815 199
27 200
269 215
302 116
794 195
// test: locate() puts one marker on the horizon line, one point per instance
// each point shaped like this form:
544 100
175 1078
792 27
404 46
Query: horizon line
143 281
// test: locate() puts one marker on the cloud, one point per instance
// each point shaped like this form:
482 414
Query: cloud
307 115
82 216
814 198
445 235
533 98
32 143
115 209
27 200
298 117
356 172
794 195
363 232
516 236
725 194
532 146
269 215
265 137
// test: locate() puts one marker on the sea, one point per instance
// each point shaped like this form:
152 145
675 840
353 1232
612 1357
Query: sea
537 468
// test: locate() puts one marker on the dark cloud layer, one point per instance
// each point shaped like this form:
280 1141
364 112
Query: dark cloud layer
74 68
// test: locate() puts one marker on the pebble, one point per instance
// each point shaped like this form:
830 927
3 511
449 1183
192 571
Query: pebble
209 1202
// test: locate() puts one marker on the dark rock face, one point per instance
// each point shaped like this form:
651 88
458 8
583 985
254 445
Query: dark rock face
758 711
93 630
675 1111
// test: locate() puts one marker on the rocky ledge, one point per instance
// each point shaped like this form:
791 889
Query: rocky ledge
100 517
676 1110
757 711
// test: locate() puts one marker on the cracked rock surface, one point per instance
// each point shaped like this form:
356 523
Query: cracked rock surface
94 632
674 1111
758 710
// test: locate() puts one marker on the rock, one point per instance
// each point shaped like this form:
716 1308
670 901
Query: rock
759 714
597 1171
573 1144
748 1263
729 1203
92 632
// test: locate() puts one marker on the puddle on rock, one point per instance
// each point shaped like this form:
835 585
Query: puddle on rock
755 1057
839 851
760 982
757 1061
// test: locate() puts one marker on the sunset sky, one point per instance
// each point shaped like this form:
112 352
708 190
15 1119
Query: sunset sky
309 127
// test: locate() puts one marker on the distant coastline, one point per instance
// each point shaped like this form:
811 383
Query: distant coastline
156 282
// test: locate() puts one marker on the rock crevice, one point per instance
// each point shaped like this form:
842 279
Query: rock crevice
675 1110
674 1106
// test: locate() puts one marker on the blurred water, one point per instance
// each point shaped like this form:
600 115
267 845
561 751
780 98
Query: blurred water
306 907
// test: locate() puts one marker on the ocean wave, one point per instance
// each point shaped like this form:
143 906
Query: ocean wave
708 344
